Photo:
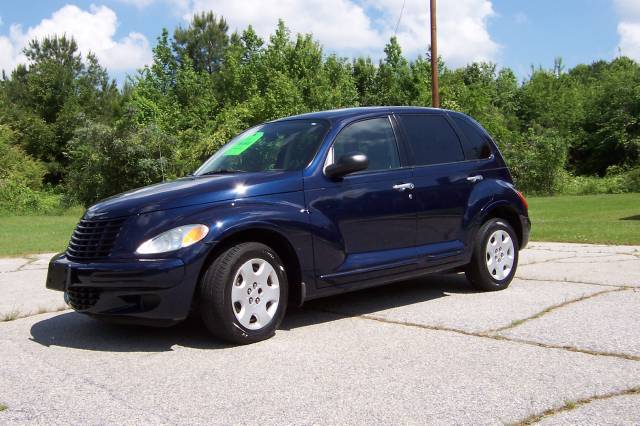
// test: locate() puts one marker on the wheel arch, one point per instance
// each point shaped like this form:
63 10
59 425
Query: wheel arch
270 237
508 213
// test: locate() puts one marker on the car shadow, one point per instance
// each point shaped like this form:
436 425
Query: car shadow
76 331
377 299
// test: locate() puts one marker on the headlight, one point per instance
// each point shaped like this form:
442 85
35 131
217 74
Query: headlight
174 239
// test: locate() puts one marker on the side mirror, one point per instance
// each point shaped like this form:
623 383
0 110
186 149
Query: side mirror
348 163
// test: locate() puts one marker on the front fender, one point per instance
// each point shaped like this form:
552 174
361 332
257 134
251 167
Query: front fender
284 217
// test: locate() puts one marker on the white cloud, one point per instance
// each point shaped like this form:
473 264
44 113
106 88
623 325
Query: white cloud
463 36
629 27
629 33
629 9
339 24
140 4
354 27
93 30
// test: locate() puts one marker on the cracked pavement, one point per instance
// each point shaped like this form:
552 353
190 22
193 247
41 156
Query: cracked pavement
560 345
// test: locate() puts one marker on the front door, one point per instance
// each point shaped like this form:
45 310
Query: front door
366 222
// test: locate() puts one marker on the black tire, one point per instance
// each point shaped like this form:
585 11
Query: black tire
216 307
477 271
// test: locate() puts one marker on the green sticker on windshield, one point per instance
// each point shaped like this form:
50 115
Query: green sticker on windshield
243 144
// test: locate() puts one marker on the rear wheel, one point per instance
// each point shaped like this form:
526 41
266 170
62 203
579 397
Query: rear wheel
495 256
244 294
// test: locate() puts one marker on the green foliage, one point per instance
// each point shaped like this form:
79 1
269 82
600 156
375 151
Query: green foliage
632 180
611 127
21 180
203 42
106 161
616 181
536 161
65 124
15 165
18 199
44 101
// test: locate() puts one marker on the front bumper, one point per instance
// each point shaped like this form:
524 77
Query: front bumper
146 291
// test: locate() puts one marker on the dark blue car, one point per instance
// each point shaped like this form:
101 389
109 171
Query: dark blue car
296 209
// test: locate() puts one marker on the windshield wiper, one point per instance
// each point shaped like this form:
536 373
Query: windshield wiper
221 172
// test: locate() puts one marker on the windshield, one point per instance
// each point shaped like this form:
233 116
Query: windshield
282 145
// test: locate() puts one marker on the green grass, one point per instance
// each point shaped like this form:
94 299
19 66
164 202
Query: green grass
604 219
20 235
3 407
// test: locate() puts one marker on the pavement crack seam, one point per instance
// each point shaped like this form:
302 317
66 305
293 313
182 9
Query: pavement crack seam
552 308
16 314
555 259
586 262
30 260
626 287
484 335
109 392
572 405
618 355
577 255
558 250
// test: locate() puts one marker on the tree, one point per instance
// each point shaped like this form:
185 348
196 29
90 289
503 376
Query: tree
203 42
393 80
204 86
47 98
611 124
106 161
364 76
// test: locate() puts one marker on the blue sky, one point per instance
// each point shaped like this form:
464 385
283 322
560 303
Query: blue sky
512 33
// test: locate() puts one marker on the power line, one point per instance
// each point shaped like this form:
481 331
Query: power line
395 32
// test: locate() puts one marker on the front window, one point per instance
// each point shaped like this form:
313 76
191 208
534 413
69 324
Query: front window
282 145
373 138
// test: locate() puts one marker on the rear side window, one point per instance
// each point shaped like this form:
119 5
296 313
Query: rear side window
478 146
432 139
374 138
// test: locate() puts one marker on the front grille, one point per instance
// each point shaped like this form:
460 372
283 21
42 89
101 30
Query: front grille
81 298
93 239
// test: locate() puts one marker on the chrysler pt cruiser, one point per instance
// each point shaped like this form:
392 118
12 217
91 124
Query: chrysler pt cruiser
296 209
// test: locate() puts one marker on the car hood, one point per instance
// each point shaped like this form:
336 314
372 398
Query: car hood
191 191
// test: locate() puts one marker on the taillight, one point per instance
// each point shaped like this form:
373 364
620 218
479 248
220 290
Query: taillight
524 200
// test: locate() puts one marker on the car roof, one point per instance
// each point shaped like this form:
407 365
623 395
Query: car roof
346 113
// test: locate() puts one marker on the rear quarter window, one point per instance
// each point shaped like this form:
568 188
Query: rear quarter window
476 141
431 139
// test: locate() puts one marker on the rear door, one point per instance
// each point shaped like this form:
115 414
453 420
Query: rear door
443 182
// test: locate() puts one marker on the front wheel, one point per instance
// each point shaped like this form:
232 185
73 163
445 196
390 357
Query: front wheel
244 294
495 256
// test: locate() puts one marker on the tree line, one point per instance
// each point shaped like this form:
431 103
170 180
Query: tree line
69 134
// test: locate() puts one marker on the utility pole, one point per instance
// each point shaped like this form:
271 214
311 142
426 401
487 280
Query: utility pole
435 91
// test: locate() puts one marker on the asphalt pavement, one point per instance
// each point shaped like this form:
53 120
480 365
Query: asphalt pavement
560 346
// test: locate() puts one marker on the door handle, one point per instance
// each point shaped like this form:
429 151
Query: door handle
403 186
475 178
